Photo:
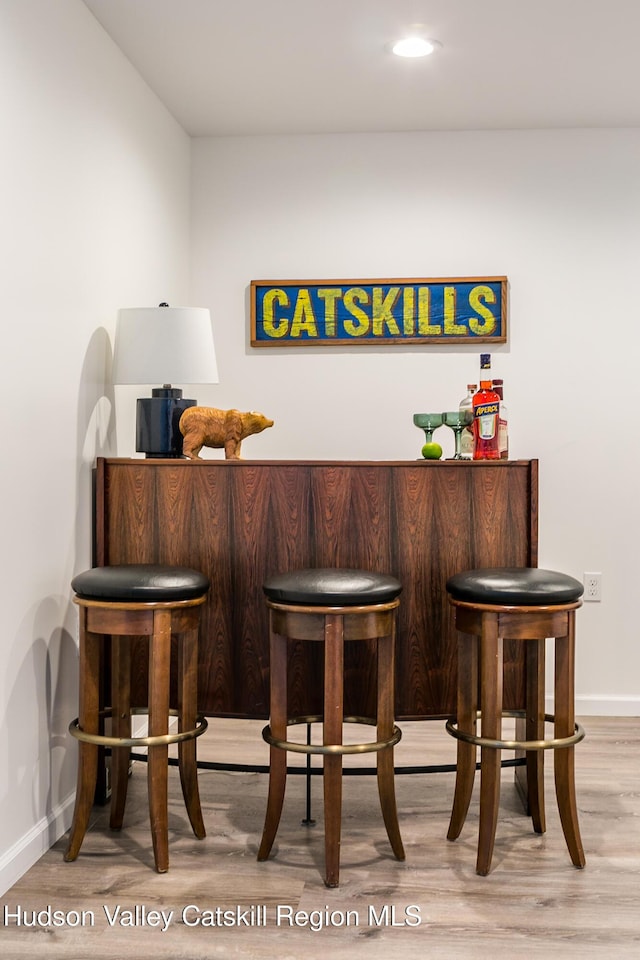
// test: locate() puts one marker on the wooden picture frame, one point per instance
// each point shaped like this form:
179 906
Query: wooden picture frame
287 313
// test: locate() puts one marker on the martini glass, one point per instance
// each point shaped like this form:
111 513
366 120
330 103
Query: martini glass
457 420
428 422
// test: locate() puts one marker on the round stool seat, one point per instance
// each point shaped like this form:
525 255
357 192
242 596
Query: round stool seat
140 583
332 587
514 586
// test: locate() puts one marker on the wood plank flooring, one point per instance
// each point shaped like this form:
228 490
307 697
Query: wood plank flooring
534 904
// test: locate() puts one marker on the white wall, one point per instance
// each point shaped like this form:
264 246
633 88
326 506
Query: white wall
94 184
558 212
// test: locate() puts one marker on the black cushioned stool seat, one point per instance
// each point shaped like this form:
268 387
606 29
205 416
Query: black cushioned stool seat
126 601
531 605
514 586
140 582
332 606
326 586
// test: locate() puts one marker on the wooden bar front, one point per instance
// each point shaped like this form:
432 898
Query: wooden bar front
239 521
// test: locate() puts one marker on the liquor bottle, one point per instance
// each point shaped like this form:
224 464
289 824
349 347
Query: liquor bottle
486 411
466 439
503 422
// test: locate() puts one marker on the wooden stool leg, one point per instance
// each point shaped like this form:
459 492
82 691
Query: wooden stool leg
534 730
385 718
188 709
332 734
158 759
277 757
88 717
564 759
120 726
467 721
491 712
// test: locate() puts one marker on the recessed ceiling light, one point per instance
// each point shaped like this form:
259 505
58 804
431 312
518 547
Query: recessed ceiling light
415 47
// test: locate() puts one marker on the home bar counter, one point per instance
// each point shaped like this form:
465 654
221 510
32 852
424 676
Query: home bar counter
240 521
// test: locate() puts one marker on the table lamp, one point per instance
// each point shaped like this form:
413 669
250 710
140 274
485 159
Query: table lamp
163 345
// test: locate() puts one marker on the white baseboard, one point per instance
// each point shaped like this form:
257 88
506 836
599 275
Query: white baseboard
34 844
140 728
602 706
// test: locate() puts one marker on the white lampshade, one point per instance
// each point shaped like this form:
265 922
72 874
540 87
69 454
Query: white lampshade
164 345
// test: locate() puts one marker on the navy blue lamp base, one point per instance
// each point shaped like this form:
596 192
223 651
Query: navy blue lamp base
157 423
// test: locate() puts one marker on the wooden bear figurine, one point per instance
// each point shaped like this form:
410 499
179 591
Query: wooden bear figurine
209 427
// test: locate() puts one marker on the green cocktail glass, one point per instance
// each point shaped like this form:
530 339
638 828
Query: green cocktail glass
457 420
428 422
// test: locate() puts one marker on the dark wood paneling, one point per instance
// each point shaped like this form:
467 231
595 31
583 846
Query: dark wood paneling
241 521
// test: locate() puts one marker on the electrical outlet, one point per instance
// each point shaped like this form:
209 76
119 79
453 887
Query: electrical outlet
592 587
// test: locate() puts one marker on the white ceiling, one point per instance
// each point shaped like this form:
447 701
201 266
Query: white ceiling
225 67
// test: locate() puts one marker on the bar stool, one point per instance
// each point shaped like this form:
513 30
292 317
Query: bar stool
332 606
127 601
515 604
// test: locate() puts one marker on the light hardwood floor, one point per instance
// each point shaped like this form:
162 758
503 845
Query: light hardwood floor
534 904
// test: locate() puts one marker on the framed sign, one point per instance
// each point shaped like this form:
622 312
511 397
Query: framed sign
288 313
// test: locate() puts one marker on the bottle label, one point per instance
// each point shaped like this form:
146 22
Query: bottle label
486 415
466 444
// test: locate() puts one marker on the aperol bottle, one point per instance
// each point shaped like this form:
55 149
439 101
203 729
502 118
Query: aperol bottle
486 414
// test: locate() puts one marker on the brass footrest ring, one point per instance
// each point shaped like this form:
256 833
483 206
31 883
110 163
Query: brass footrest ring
157 741
331 748
557 743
